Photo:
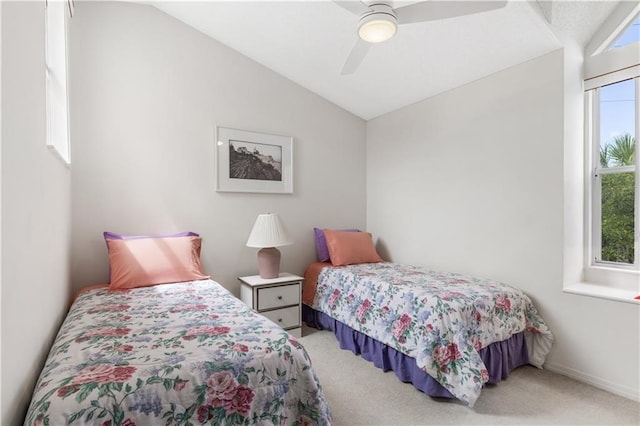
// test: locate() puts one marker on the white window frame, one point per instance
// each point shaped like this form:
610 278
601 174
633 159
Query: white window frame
601 67
56 78
592 99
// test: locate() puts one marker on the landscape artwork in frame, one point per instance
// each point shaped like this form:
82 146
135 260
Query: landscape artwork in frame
253 162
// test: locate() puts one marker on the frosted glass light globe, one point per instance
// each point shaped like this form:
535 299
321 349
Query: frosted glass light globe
377 30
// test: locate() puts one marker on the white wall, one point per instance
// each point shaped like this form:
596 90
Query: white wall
472 181
35 212
147 92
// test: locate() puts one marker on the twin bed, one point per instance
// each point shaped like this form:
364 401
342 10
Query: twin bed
448 334
164 344
144 350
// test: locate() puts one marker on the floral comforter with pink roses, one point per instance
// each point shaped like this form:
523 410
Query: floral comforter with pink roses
174 354
440 319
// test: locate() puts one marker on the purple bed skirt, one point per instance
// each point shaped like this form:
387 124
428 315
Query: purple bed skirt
500 357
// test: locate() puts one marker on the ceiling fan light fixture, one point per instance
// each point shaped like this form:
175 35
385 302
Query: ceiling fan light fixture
377 30
379 24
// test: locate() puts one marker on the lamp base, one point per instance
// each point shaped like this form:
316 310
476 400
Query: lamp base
269 262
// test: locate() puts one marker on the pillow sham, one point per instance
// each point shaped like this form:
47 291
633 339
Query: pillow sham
350 248
113 236
322 252
141 262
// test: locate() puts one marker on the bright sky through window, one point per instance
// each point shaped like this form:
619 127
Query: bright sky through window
630 35
617 111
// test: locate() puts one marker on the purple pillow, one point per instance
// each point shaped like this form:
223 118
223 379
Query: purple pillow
322 251
113 236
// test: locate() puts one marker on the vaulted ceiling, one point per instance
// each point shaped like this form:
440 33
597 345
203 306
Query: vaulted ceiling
309 41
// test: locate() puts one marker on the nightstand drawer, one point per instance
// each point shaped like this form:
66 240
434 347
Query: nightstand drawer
274 297
286 317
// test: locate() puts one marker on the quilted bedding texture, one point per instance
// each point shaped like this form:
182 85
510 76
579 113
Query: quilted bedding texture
440 319
174 354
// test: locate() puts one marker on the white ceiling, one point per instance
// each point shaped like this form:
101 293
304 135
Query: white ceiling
308 42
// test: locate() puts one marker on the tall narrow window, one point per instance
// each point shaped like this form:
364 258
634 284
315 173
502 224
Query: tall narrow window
614 199
56 79
612 89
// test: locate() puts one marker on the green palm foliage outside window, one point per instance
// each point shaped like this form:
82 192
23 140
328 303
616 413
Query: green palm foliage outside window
618 200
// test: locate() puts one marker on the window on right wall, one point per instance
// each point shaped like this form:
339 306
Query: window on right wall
612 105
614 212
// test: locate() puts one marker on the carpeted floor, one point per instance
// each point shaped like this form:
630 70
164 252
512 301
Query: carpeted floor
360 394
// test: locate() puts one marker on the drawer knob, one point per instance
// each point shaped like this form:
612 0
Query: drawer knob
279 319
279 297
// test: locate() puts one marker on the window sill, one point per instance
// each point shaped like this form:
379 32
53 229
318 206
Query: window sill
56 152
603 292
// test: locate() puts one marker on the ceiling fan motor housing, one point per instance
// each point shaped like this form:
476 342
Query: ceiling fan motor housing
378 24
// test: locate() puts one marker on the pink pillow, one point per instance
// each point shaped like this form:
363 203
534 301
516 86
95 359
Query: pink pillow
113 236
349 248
150 261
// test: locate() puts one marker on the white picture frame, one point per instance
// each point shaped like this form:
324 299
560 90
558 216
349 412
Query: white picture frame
248 161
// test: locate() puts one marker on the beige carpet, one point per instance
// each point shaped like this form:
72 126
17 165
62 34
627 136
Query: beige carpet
360 394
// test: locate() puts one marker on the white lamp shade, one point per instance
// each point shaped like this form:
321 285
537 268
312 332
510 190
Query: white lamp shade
268 231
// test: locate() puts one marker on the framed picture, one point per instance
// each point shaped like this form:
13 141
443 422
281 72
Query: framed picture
253 162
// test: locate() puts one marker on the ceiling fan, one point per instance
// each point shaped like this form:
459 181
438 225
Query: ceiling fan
379 20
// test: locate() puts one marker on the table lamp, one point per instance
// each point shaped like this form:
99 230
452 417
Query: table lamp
267 234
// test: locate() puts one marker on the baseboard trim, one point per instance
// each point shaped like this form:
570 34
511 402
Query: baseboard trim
615 388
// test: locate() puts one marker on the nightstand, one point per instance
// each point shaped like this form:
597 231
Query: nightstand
278 299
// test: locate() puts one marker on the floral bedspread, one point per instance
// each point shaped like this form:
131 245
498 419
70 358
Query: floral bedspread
440 319
174 354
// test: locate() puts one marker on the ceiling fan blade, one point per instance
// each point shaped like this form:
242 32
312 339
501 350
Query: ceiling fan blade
438 9
357 54
356 7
